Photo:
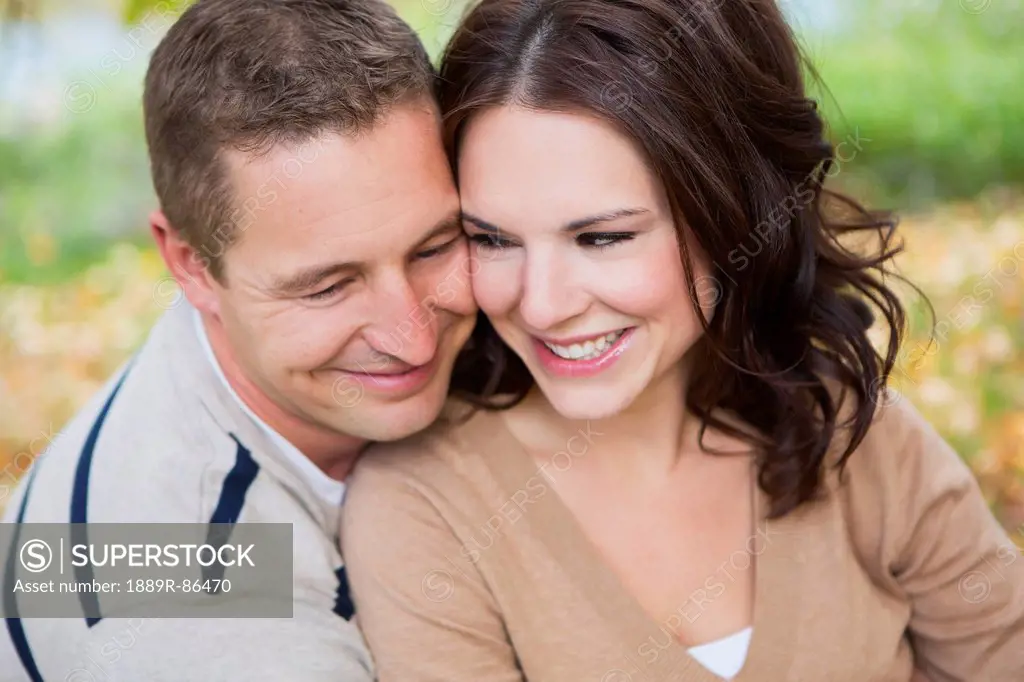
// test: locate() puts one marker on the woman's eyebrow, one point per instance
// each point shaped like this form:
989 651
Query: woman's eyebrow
603 218
573 226
480 222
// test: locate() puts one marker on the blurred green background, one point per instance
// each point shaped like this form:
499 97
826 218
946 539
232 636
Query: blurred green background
932 89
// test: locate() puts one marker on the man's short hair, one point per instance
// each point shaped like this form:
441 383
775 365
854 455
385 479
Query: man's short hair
252 74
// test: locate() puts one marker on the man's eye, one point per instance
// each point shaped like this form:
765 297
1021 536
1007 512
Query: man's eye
488 240
329 292
603 240
438 250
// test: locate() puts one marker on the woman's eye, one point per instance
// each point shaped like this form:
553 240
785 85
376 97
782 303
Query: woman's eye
601 240
490 241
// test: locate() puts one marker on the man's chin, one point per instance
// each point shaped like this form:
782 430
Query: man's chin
382 422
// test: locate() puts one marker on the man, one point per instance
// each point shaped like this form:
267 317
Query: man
309 215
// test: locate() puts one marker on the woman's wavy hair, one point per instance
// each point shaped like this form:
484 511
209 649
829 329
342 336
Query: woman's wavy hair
713 92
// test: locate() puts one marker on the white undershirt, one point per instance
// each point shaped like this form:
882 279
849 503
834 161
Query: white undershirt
326 487
724 657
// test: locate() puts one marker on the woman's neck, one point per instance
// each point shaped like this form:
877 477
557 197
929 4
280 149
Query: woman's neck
646 439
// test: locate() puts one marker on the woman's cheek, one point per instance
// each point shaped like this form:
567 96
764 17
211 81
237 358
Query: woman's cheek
641 288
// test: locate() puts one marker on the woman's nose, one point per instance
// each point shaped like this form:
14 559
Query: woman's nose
549 295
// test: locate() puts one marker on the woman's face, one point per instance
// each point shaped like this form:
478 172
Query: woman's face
577 260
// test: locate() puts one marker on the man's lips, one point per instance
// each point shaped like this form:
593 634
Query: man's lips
404 380
385 371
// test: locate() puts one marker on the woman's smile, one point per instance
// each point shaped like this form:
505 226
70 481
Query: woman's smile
582 356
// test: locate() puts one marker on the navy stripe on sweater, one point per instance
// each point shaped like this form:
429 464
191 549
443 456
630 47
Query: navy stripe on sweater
15 628
229 505
343 605
80 505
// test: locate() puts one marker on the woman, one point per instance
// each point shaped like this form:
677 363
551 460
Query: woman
663 486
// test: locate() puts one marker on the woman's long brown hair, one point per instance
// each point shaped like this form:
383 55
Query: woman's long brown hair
713 92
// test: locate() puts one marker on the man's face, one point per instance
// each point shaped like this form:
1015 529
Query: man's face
347 296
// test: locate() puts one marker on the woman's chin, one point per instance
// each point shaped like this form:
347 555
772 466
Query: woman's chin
586 405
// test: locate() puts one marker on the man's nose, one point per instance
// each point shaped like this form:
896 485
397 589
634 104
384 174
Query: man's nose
405 326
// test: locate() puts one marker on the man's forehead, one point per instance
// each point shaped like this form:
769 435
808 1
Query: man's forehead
332 179
404 144
326 158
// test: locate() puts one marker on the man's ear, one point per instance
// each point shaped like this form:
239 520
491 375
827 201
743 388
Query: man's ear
187 266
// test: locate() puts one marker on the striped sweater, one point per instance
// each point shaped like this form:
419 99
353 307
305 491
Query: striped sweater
165 442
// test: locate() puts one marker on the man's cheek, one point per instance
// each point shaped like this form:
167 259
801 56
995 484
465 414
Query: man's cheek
495 289
298 343
451 288
463 302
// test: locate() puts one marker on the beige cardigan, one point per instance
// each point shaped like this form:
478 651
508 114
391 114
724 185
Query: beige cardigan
465 566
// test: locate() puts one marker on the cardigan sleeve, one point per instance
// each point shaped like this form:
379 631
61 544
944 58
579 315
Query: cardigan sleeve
425 611
939 546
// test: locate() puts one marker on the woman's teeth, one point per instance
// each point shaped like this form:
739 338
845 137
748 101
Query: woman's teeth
588 350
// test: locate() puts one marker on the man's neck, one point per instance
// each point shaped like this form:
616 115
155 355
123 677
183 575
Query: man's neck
333 453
